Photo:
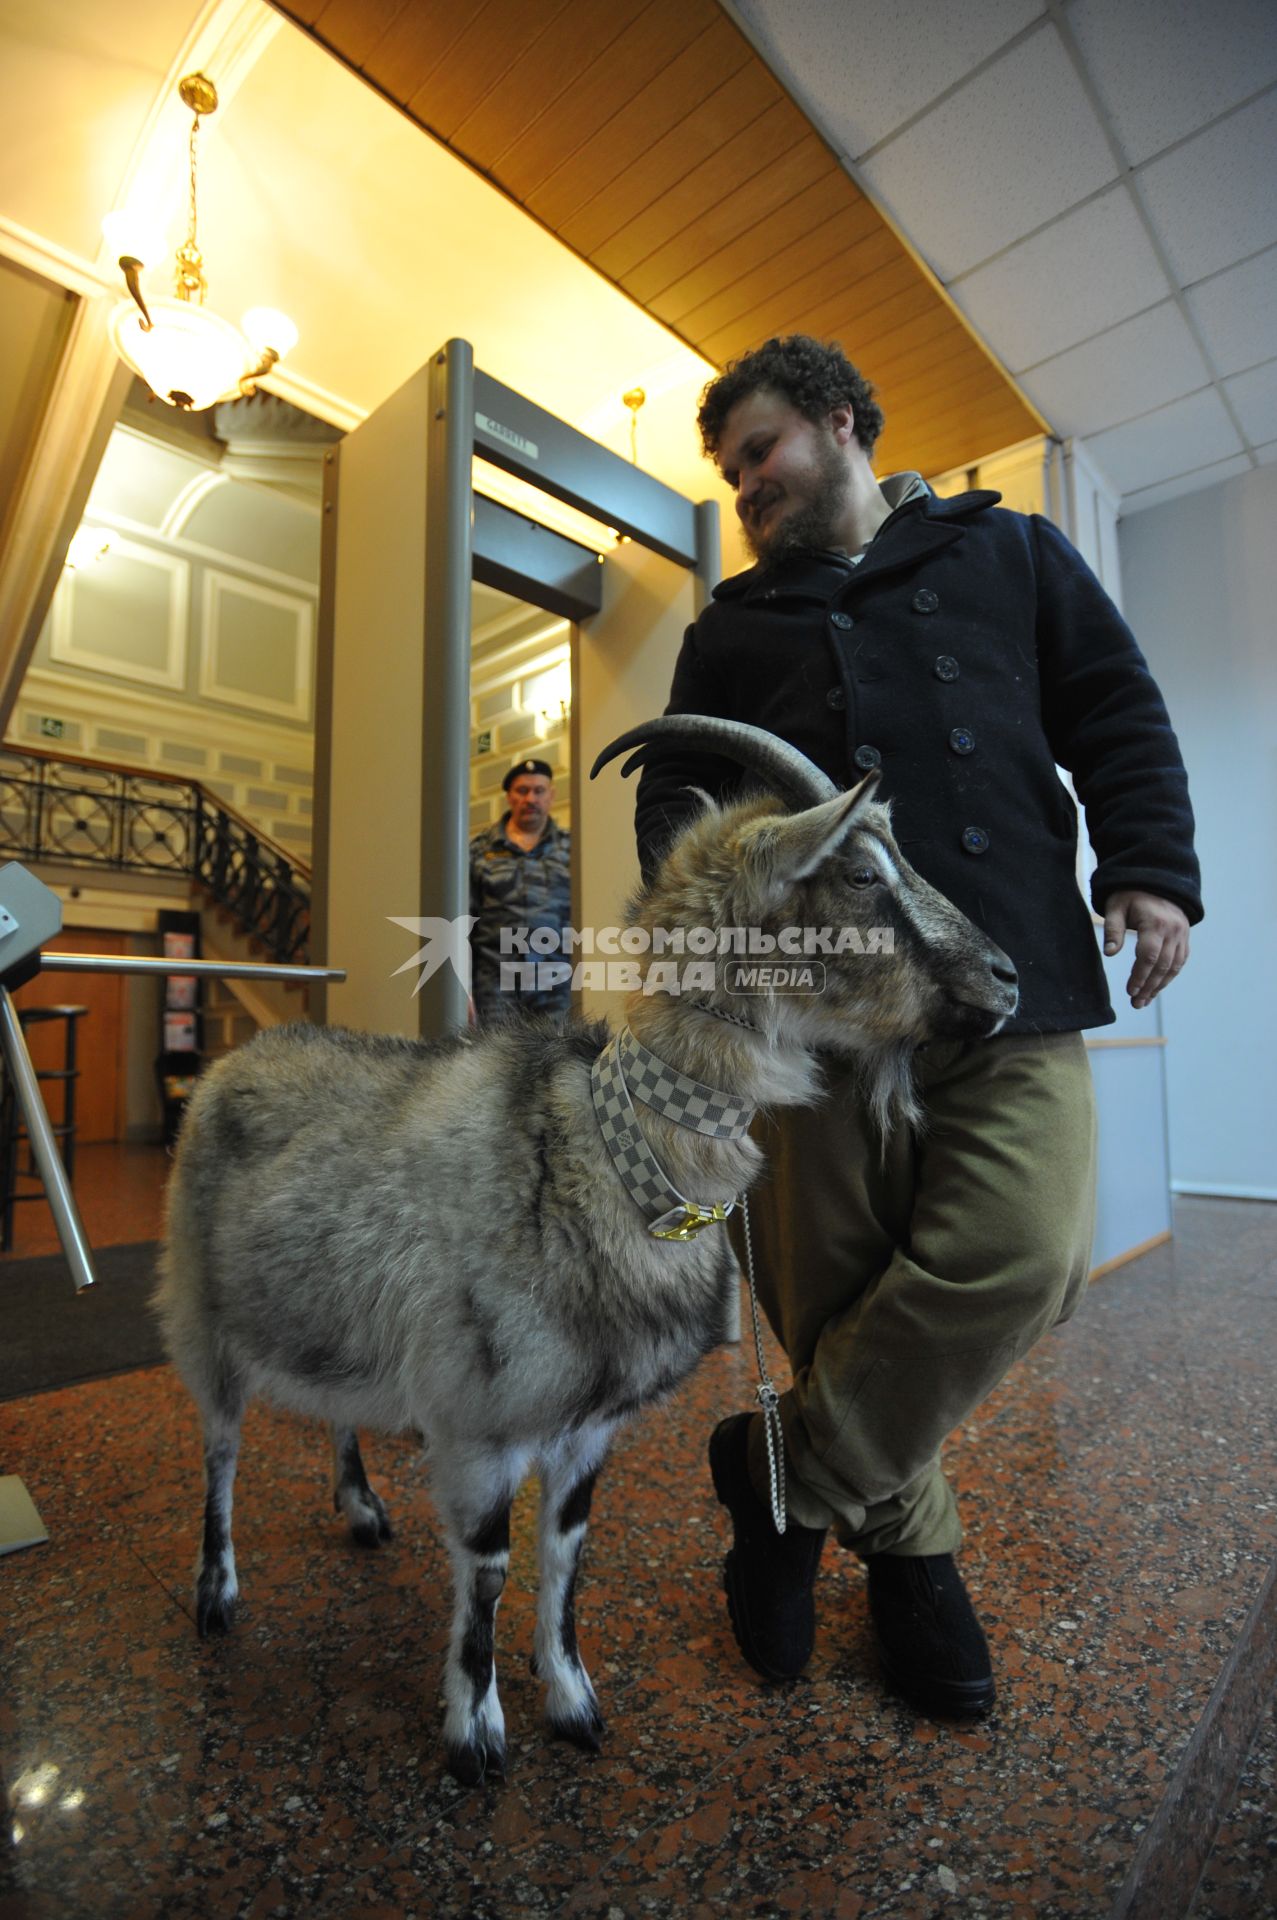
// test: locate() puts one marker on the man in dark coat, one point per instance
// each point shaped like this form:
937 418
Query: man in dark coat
963 651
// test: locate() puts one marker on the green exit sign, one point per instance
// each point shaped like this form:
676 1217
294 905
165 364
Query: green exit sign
52 729
483 742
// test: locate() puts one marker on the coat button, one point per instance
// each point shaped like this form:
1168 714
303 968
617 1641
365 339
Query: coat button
975 840
867 758
946 667
962 740
841 620
836 699
924 601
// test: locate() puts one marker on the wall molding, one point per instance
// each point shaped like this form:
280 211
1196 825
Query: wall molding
217 583
207 556
62 640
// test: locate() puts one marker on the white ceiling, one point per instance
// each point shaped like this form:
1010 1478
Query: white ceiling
1095 184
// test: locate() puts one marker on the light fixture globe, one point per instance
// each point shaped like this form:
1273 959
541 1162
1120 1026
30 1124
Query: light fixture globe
190 358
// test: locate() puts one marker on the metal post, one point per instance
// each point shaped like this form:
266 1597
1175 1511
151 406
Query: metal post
57 1187
709 551
445 761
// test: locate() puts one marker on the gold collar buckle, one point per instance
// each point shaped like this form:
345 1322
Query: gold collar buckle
685 1222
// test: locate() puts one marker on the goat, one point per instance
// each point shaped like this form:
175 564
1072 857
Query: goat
394 1234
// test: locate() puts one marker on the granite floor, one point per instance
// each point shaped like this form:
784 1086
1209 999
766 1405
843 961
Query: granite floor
1120 1493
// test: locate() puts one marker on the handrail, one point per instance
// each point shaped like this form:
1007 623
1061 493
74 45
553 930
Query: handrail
131 819
171 779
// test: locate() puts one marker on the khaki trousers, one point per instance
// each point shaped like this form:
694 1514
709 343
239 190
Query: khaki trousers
903 1284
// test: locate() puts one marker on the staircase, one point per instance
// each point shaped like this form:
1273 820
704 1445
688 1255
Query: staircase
234 1010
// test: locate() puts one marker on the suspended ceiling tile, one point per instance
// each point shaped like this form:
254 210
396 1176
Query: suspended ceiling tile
1176 439
1208 476
1166 68
1008 151
1266 454
1135 366
1212 200
1088 270
813 47
1254 395
1237 313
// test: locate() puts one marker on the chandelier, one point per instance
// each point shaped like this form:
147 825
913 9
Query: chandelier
188 355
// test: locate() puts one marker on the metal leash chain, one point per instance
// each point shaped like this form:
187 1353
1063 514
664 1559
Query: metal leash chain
768 1397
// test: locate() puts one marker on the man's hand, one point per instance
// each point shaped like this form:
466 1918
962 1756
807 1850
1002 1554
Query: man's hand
1161 943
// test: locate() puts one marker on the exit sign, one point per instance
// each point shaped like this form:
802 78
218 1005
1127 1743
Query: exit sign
483 742
52 729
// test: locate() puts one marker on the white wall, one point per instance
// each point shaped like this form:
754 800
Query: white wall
1200 586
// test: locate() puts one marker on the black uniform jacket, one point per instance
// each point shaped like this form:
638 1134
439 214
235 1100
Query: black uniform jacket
967 652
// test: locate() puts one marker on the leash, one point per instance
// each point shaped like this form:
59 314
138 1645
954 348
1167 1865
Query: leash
768 1397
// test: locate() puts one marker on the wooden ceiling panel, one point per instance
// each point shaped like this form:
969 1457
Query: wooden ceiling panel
356 24
482 52
753 249
520 95
841 264
417 42
725 219
652 139
618 66
632 189
664 104
774 133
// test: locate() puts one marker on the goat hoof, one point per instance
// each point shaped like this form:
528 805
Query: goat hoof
471 1764
584 1730
372 1533
369 1521
214 1614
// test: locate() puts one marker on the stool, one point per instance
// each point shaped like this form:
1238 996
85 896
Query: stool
12 1132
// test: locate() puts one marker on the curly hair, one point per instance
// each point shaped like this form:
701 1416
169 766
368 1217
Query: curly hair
813 376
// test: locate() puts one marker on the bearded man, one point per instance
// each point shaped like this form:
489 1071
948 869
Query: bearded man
963 651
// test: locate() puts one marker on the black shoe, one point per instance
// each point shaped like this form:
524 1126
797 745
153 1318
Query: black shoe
768 1577
932 1646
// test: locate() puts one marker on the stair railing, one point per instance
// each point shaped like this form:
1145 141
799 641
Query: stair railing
93 813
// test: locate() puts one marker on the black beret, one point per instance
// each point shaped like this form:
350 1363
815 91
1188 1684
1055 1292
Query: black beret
542 767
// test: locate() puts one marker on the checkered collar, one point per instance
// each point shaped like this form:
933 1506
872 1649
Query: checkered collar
627 1067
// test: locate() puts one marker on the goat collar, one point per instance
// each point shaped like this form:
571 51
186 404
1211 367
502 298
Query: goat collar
625 1064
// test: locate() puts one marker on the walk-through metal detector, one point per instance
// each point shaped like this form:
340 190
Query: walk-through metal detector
465 412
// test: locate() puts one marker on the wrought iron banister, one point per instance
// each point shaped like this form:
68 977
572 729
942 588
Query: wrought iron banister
91 813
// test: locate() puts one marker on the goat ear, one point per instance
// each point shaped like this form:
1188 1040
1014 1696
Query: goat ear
795 846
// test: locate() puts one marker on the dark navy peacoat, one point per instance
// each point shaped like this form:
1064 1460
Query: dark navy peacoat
966 653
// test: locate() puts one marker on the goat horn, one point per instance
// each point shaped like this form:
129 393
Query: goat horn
778 765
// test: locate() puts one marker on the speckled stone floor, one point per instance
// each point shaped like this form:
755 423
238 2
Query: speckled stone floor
1120 1493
